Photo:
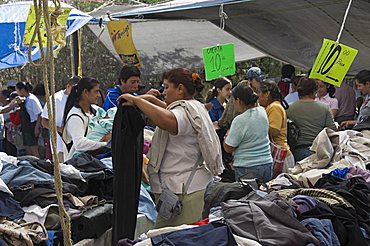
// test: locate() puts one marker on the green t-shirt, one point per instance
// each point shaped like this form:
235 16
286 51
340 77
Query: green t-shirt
311 118
249 135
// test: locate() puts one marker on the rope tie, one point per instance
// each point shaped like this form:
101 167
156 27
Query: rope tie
58 31
223 16
46 62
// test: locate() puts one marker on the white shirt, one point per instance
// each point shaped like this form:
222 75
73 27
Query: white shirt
33 107
181 154
60 103
291 98
75 129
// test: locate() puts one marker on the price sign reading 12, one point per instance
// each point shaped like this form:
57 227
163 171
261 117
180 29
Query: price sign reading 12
333 62
219 61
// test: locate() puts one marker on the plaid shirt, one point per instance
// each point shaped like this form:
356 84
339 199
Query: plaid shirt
329 197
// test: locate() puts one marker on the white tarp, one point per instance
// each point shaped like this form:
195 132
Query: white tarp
290 30
163 45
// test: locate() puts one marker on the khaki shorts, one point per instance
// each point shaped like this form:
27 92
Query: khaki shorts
192 208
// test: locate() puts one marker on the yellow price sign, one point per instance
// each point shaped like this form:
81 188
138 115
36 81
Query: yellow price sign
31 24
333 62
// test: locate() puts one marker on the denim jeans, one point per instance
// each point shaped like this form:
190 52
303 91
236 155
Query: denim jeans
263 172
301 153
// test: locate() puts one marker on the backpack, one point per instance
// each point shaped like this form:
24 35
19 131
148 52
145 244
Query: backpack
293 133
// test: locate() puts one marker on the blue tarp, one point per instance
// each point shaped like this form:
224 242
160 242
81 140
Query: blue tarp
13 19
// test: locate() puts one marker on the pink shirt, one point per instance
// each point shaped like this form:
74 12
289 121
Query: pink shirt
331 102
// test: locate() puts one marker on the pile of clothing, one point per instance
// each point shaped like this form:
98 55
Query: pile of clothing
28 203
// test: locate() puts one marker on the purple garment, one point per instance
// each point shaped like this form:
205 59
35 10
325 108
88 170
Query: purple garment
358 171
305 203
127 242
146 147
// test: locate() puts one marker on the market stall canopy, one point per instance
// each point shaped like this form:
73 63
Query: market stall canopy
13 18
167 44
163 45
290 30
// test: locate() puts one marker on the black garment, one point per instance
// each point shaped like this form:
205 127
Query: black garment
9 207
33 195
92 223
10 149
86 163
344 222
217 192
127 153
27 128
214 234
356 191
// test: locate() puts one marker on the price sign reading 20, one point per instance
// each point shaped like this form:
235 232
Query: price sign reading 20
219 61
333 62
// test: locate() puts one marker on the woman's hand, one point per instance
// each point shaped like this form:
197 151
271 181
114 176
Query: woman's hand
346 124
106 137
153 92
126 99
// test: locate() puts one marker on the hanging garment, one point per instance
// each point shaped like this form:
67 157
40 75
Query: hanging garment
127 153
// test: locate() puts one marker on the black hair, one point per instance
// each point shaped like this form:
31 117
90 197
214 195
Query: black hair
218 84
331 90
13 95
274 90
272 87
245 94
5 93
39 90
363 76
24 85
74 97
306 87
288 71
126 72
191 81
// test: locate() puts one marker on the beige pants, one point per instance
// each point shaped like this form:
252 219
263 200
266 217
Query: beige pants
192 208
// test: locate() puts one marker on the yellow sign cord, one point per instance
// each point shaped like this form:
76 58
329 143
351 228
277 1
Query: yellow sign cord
47 64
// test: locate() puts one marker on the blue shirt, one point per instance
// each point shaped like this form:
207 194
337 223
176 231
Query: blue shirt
216 111
249 135
111 98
